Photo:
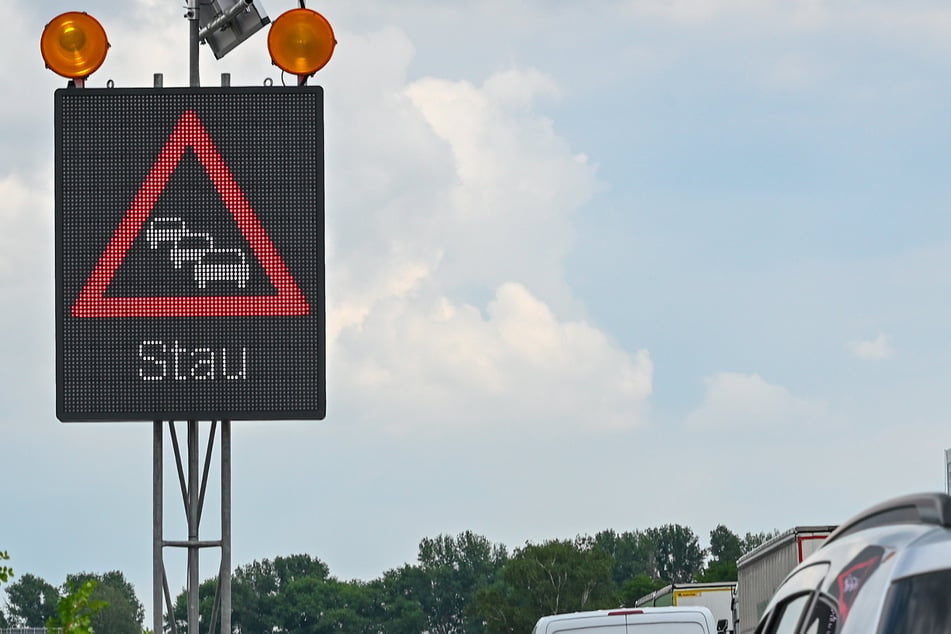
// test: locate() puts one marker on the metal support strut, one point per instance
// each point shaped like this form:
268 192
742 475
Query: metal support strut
193 485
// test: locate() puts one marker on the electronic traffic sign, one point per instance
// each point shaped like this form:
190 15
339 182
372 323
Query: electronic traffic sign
190 254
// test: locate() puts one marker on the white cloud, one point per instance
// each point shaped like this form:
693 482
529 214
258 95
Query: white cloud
443 363
735 401
516 183
876 349
449 214
26 219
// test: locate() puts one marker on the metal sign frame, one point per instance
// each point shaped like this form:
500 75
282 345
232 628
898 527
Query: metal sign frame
149 325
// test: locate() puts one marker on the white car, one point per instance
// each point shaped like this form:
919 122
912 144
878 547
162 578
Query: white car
885 571
190 248
164 229
222 265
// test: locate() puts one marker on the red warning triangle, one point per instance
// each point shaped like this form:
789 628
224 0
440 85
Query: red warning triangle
190 133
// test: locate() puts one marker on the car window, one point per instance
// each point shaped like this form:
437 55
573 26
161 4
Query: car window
789 596
787 615
918 605
823 618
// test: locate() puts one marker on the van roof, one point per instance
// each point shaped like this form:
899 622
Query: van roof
675 613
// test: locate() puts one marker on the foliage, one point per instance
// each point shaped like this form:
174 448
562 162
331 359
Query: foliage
460 584
253 591
206 600
76 609
556 576
725 548
31 601
639 586
678 557
718 571
633 553
5 574
400 610
5 571
725 545
122 612
755 540
455 568
262 593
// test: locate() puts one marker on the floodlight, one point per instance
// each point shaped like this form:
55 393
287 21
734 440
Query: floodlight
74 45
223 24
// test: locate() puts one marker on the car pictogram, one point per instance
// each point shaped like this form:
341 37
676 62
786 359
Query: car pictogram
190 248
222 265
164 229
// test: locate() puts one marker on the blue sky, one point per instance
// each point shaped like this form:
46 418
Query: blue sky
602 265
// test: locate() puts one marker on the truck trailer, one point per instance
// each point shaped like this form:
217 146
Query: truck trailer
718 597
760 571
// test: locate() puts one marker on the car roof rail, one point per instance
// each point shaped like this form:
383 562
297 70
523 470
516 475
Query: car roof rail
918 508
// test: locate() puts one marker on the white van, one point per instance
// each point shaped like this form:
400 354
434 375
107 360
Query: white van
671 620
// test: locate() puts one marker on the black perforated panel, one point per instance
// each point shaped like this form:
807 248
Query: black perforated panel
189 254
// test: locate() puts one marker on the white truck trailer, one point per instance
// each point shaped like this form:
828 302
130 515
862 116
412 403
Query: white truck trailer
760 571
718 597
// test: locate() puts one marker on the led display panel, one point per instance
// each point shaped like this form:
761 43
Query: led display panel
189 254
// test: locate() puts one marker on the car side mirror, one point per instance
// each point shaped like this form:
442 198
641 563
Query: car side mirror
722 624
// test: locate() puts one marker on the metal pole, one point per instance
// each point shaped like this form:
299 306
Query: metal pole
158 519
193 32
193 548
193 495
158 565
224 577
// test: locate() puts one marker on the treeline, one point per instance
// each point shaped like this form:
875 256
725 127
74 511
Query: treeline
468 585
34 602
461 584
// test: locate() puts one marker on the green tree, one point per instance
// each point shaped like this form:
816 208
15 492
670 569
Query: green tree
678 556
398 592
725 548
638 587
5 571
456 568
551 578
31 601
313 605
253 588
259 592
292 567
122 612
755 540
206 605
76 609
633 553
5 574
725 545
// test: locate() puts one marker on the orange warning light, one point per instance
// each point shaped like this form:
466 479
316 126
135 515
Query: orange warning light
74 45
301 41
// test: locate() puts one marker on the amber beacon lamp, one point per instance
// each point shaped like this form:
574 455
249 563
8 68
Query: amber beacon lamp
301 42
74 45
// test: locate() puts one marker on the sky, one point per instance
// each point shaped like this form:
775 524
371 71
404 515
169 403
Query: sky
601 265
